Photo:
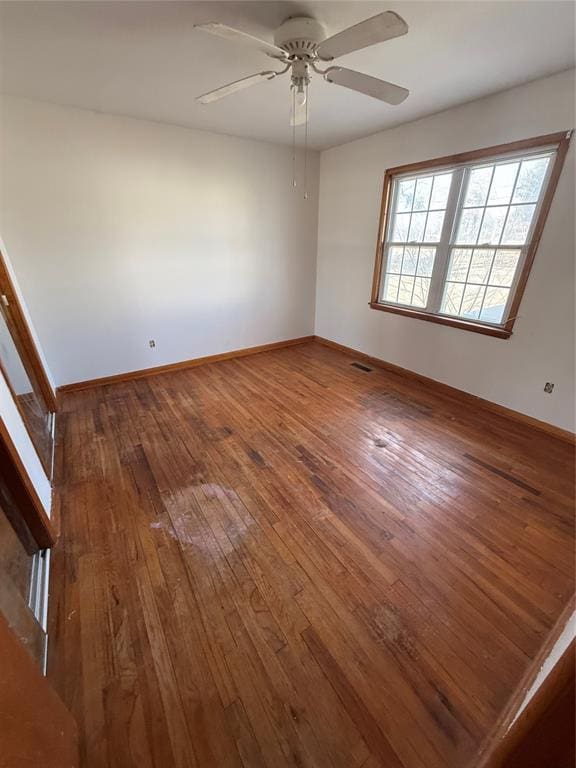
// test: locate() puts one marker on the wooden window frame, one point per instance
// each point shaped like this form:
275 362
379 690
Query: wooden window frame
560 141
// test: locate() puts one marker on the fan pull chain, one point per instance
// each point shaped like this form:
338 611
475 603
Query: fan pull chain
293 137
306 148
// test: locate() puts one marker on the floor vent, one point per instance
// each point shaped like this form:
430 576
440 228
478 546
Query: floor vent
361 367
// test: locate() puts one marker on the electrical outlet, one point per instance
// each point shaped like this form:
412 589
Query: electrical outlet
152 343
548 387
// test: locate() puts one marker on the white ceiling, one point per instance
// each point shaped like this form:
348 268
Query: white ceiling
144 59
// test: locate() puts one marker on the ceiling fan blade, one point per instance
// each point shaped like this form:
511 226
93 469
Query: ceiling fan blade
299 115
379 28
371 86
236 35
237 85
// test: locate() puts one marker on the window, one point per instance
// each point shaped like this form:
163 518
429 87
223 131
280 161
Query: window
458 235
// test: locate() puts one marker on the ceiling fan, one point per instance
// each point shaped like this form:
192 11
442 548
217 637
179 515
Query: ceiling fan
300 43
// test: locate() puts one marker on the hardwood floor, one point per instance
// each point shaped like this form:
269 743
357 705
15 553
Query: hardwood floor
284 560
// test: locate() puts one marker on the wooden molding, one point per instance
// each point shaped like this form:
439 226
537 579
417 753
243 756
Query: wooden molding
546 140
33 438
384 205
28 502
453 392
561 140
509 729
438 386
32 356
182 365
454 322
563 145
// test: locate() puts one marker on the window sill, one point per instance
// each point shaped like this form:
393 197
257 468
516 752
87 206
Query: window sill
455 322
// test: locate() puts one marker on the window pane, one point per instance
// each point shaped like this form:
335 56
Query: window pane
504 267
391 285
480 266
434 226
459 265
421 288
417 225
395 259
469 225
494 305
502 183
518 224
410 261
405 195
530 180
400 229
492 225
472 301
440 191
403 288
405 292
422 195
478 186
466 293
452 298
426 261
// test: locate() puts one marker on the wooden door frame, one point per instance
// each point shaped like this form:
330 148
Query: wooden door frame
38 532
47 467
509 728
543 734
30 349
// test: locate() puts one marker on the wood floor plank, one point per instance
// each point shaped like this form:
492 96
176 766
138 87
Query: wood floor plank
288 561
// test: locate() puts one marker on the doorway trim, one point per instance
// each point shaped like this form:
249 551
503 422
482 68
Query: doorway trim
7 289
14 474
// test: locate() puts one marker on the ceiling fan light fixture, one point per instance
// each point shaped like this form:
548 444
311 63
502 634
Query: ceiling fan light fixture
300 43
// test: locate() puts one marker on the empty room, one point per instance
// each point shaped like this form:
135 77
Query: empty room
287 384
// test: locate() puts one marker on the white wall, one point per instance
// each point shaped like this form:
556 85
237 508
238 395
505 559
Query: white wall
23 444
510 372
123 230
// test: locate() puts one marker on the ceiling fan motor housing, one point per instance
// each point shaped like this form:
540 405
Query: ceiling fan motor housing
299 36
